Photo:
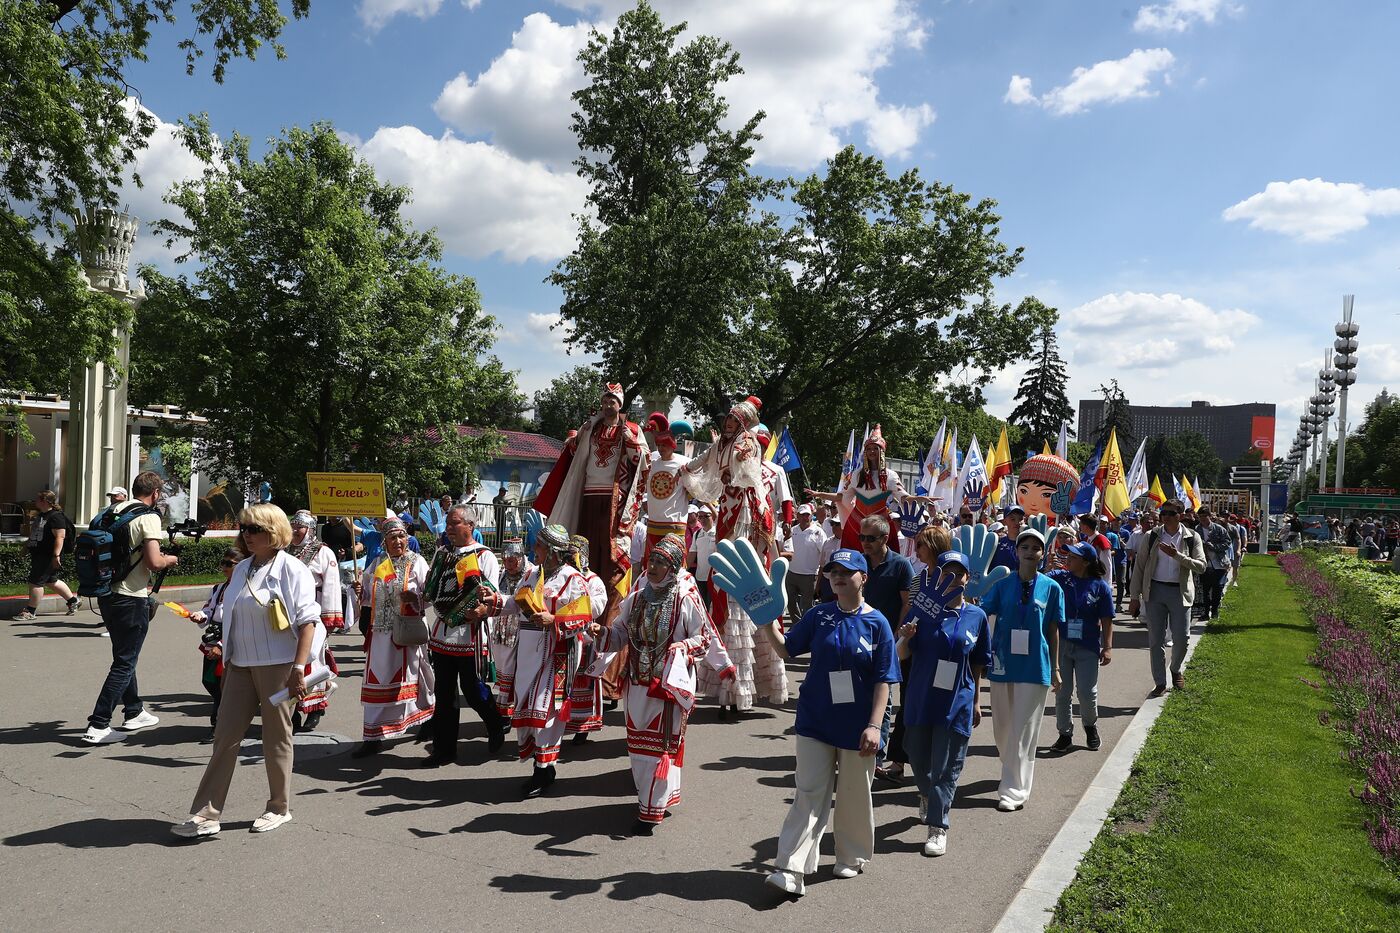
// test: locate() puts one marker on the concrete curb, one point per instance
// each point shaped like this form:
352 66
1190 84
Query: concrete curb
1031 908
196 593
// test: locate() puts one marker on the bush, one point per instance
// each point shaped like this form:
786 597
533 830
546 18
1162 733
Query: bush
197 558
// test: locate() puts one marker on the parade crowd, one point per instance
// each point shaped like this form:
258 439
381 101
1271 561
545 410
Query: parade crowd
657 582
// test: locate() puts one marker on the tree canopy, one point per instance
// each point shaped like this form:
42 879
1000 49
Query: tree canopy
318 331
1041 402
569 400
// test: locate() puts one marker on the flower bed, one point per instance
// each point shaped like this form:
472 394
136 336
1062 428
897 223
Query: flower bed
1356 607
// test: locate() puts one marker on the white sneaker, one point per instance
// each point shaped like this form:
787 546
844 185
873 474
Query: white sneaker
789 882
141 720
196 826
846 871
937 841
1007 805
923 808
96 736
269 821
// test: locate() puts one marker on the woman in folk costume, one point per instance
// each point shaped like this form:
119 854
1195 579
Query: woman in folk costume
664 623
308 548
730 471
398 684
555 599
873 490
586 692
505 625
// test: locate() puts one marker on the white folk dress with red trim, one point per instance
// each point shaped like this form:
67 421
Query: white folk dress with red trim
545 662
398 687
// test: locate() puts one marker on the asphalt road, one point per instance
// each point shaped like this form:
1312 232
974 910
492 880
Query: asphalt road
84 839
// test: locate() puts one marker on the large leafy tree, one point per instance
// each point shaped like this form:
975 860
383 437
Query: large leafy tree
318 332
570 398
1041 402
69 129
1373 452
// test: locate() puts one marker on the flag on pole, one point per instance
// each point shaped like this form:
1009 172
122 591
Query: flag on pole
1196 489
1062 445
947 473
928 476
783 453
848 462
998 467
1088 488
1155 494
1137 473
1192 500
972 488
1115 483
1045 451
860 451
1180 489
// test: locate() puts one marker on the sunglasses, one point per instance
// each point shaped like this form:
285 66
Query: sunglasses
869 539
1170 514
252 529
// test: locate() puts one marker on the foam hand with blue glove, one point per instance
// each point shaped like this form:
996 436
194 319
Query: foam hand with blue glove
979 545
913 517
1041 523
736 568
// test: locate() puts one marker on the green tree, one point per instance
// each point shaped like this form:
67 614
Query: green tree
1041 403
1373 451
568 401
674 246
69 127
1117 413
318 332
1189 453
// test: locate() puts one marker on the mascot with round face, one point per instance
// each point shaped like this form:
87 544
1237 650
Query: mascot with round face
1047 486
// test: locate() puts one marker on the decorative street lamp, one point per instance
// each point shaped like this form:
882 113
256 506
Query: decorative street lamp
1345 362
1326 395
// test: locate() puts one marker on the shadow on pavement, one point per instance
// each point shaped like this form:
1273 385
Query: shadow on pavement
97 834
559 828
738 886
736 762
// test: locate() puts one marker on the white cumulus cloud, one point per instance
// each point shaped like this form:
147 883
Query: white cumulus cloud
376 13
163 162
482 200
1107 82
1314 210
1151 331
549 329
1176 15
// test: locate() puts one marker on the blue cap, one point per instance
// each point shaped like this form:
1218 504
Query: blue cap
1014 507
1083 549
953 557
851 560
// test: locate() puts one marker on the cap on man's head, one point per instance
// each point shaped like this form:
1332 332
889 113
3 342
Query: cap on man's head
117 491
1013 510
851 560
804 509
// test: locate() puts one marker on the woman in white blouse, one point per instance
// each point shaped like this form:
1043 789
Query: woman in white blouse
259 661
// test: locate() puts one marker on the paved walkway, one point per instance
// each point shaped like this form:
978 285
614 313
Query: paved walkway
380 843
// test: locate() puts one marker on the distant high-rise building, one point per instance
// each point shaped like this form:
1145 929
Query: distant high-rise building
1228 428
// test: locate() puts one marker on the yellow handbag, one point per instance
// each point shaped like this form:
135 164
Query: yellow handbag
276 610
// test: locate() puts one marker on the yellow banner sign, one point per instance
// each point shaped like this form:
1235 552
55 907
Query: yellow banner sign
346 494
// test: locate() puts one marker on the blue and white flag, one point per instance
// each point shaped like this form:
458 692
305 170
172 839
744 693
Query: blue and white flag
1084 500
786 455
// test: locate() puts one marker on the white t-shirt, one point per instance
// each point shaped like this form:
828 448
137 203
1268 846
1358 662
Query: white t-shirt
703 543
829 546
639 542
807 549
1167 570
666 495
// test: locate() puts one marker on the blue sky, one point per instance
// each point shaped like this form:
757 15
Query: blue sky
1195 182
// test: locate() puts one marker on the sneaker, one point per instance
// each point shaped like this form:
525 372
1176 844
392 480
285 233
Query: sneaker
1007 805
72 606
26 614
1168 642
1064 743
1091 738
195 827
845 871
269 821
923 808
789 882
141 720
97 735
937 841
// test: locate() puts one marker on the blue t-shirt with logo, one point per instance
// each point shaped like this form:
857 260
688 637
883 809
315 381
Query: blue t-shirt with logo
959 639
1088 601
860 642
1023 606
1005 555
886 581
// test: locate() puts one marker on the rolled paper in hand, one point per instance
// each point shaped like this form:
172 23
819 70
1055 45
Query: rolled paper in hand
320 673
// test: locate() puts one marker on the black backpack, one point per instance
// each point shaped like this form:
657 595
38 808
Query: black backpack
103 553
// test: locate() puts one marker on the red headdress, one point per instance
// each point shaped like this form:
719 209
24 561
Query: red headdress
615 390
659 426
876 438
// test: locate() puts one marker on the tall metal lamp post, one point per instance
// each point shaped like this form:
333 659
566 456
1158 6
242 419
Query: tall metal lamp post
1345 362
1322 407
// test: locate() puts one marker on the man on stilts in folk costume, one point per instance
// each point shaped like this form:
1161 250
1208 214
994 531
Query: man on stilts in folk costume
663 496
308 548
505 625
586 696
730 471
590 491
556 607
664 622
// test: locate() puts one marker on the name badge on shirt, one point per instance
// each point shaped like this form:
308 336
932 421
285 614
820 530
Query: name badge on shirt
1020 641
843 689
945 675
1076 628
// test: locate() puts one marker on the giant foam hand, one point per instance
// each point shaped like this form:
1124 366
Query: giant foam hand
979 545
913 517
1041 523
737 569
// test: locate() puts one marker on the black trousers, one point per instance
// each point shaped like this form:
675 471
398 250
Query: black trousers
1213 584
451 670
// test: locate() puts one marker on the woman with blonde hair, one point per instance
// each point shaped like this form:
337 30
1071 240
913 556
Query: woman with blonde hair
266 649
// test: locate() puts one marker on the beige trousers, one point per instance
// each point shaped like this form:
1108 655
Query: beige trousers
822 768
245 693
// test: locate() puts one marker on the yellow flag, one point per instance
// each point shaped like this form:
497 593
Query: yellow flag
1155 494
1046 451
1191 494
998 467
1115 482
772 449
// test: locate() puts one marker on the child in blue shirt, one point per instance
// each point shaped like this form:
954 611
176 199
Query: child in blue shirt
1086 643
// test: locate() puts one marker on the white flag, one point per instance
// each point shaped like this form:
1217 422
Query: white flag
1138 483
972 481
948 476
928 479
1062 445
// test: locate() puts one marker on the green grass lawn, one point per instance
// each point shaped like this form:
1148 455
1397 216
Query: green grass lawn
1239 814
19 589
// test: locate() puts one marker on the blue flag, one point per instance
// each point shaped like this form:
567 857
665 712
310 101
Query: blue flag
1084 500
786 454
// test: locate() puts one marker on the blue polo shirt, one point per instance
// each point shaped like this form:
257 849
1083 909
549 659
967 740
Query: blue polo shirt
957 637
885 582
860 642
1015 613
1088 602
1005 555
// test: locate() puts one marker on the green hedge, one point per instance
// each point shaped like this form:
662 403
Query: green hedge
196 558
1368 593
